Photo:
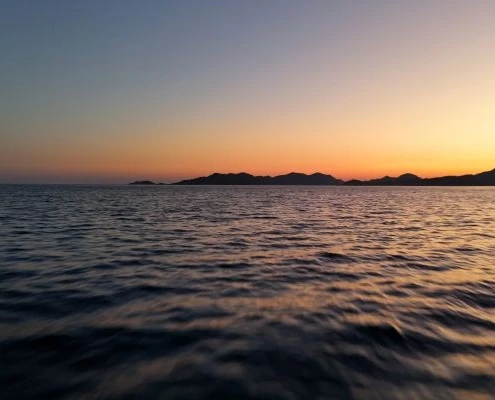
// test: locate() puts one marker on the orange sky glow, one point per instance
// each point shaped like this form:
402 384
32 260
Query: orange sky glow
356 91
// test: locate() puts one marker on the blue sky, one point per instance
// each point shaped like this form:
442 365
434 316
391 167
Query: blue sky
110 90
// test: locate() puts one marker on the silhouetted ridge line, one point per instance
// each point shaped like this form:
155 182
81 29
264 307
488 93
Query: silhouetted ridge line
145 183
295 178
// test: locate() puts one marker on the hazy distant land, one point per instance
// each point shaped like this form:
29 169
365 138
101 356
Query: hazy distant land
294 178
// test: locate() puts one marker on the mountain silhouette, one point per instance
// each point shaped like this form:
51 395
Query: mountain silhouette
402 180
481 179
295 178
142 183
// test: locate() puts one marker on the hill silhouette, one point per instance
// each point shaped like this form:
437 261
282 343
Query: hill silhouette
143 183
482 179
294 178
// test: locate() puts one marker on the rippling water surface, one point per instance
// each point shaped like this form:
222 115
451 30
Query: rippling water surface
247 293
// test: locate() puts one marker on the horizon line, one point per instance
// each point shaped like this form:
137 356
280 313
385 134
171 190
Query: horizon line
175 180
332 176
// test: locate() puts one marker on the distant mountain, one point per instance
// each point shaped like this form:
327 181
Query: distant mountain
243 178
294 178
403 180
481 179
145 183
142 183
225 179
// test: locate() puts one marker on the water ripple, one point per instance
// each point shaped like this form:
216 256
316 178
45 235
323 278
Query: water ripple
111 292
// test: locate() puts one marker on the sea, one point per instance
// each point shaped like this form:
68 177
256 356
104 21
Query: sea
247 292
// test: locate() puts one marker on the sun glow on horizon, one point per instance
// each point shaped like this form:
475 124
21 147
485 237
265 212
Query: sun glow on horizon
168 92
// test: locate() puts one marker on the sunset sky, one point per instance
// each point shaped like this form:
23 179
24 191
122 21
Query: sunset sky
112 91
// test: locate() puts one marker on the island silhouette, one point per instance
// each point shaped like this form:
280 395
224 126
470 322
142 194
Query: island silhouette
296 178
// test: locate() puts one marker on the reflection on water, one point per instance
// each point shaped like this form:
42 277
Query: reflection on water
247 292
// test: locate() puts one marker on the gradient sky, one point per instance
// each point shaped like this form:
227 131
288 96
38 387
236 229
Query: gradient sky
112 91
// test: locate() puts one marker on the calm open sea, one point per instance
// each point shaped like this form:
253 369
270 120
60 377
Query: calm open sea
120 292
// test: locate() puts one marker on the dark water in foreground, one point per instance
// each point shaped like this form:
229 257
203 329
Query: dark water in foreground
247 293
